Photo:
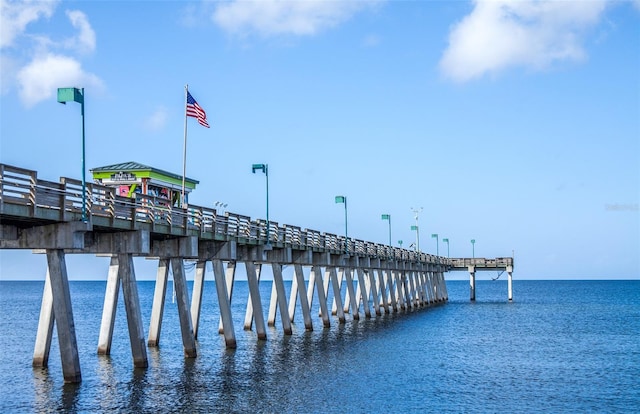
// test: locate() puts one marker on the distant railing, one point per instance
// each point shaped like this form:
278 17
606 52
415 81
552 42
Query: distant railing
62 201
499 262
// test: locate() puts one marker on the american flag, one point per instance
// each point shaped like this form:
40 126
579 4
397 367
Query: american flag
194 110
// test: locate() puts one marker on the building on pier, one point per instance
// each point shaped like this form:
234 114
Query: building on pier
131 178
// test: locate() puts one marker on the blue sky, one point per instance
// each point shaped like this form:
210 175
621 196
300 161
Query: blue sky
516 124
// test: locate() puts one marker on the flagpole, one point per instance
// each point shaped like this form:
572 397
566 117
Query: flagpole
184 148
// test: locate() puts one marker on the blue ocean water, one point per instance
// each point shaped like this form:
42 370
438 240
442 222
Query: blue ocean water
561 346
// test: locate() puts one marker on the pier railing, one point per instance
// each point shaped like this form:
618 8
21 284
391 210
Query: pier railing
24 196
480 263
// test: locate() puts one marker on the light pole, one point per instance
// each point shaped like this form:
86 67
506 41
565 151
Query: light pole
473 248
343 199
435 235
77 95
388 217
416 213
265 169
446 240
417 230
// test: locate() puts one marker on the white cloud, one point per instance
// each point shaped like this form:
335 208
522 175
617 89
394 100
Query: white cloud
85 41
40 79
157 120
499 34
283 17
15 16
37 64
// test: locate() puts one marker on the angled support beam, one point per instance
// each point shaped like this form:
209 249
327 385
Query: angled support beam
316 274
311 287
255 301
278 282
229 277
224 303
364 294
109 308
373 291
196 296
248 316
380 281
304 300
330 273
157 309
338 292
184 314
273 304
293 295
64 316
45 327
132 307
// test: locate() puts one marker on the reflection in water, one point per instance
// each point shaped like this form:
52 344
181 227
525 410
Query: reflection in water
43 387
137 389
69 398
394 362
225 380
108 392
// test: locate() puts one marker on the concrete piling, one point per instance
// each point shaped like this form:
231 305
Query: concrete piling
159 295
64 316
45 327
109 308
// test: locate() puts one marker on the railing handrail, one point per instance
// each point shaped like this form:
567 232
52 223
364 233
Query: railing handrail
66 195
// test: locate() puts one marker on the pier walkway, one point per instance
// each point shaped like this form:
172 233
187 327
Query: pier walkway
47 217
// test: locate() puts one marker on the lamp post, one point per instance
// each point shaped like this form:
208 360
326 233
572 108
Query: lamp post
435 235
473 248
77 95
265 169
417 230
343 199
446 240
388 217
416 213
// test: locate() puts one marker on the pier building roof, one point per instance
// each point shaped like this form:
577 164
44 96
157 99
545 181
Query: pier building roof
136 170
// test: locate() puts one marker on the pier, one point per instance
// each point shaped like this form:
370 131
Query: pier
501 264
59 218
